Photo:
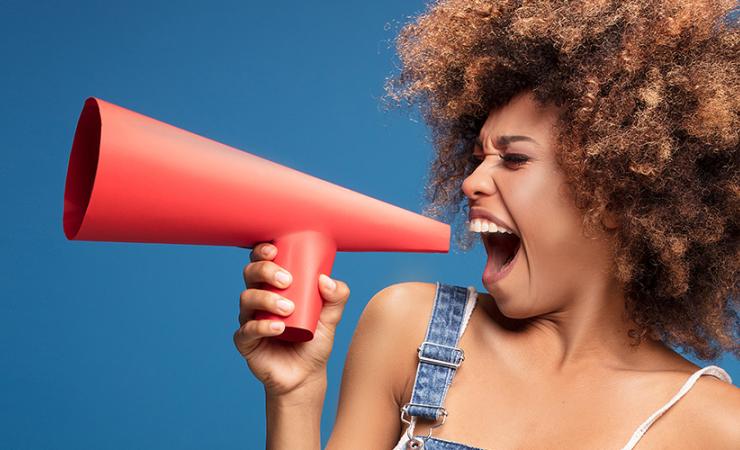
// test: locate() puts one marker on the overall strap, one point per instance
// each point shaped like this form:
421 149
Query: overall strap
715 371
439 355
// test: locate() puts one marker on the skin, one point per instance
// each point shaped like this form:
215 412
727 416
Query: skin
548 361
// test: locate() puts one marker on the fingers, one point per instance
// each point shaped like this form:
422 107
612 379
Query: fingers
263 250
335 298
258 299
266 272
248 336
261 269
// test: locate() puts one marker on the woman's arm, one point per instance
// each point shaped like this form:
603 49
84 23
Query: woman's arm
381 359
294 421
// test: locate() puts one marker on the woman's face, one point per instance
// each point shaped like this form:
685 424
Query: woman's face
555 265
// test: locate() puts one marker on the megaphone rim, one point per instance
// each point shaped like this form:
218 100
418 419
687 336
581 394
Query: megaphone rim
82 167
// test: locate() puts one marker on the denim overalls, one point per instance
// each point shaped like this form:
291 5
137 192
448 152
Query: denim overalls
439 357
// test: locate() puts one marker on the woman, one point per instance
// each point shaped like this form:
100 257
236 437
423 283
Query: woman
595 144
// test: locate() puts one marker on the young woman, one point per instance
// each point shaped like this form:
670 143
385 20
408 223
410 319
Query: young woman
594 147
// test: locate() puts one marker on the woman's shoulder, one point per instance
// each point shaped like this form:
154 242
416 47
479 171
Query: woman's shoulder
404 310
702 409
398 303
401 310
712 408
399 314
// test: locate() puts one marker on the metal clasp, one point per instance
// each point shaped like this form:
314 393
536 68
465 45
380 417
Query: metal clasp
415 444
440 362
412 420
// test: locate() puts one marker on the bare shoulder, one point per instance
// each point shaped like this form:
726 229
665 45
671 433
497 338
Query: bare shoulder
401 313
401 310
706 417
400 302
715 405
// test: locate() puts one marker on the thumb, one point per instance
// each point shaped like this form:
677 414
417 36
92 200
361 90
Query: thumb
335 294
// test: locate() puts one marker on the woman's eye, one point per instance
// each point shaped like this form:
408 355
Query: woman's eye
514 158
509 158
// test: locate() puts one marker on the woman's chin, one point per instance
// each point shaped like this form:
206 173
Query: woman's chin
513 309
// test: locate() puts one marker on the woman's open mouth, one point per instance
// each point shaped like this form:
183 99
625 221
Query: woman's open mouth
503 252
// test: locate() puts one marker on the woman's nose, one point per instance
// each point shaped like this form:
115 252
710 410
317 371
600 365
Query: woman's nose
478 183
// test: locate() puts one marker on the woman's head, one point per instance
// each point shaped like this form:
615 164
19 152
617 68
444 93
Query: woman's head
518 182
646 128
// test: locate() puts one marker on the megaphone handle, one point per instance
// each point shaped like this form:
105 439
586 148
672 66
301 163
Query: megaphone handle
305 254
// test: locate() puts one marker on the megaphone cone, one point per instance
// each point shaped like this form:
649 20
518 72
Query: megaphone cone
132 178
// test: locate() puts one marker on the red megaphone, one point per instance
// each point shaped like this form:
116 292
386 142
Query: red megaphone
135 179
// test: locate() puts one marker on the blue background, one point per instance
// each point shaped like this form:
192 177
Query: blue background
117 346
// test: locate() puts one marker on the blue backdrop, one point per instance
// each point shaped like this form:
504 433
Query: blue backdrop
119 346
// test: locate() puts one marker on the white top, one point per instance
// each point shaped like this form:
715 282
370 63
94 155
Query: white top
714 371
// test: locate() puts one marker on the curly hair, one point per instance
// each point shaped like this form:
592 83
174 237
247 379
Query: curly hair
649 132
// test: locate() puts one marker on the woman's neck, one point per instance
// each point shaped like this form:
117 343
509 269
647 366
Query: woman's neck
590 330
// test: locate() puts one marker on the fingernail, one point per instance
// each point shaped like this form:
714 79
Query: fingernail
328 282
276 326
284 305
268 251
282 277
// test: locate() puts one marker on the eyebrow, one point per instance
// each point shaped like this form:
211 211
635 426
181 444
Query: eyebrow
503 141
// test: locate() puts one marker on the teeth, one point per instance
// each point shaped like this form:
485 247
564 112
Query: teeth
485 226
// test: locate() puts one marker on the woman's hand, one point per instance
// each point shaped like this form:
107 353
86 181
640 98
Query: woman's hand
284 367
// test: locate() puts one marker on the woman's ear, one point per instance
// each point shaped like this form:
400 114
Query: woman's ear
609 219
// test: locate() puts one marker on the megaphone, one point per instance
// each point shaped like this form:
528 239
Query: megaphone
132 178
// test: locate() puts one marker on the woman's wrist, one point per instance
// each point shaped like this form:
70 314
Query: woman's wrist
310 391
294 418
